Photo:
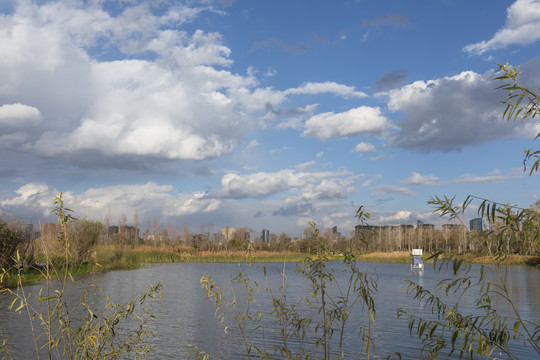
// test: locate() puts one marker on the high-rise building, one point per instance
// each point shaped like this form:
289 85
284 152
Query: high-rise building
476 224
265 237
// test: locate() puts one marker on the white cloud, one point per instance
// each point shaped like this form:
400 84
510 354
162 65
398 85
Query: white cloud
307 185
134 85
327 189
31 195
419 179
197 203
258 185
360 120
17 115
171 100
149 200
270 72
522 27
494 176
253 144
400 217
391 189
364 147
326 87
306 165
449 113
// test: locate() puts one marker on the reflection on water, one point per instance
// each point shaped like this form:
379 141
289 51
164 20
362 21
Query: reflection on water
184 317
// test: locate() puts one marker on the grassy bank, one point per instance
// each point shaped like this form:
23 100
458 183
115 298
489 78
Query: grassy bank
106 258
132 258
146 254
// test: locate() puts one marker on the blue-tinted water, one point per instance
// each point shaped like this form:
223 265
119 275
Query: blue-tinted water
184 317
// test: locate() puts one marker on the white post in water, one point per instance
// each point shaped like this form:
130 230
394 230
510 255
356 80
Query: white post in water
417 259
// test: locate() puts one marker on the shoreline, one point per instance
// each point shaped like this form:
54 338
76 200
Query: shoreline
111 258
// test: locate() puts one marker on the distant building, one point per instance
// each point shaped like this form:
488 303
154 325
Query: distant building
476 224
113 229
228 233
426 226
265 236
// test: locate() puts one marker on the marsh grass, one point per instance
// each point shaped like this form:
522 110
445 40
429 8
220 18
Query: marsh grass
385 257
147 254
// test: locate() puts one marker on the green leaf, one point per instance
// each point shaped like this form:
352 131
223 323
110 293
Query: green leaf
517 324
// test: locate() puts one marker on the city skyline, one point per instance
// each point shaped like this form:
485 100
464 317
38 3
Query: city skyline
262 114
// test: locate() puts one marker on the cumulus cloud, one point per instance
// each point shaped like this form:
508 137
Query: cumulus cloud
326 87
391 189
409 217
400 217
419 179
258 185
194 204
163 105
357 121
93 86
17 115
327 189
307 185
364 147
451 112
149 200
522 27
30 196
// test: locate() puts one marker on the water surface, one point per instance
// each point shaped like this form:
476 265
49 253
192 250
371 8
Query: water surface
184 317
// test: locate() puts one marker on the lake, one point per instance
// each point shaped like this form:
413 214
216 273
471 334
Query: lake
184 317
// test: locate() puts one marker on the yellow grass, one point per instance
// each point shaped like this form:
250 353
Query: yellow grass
388 257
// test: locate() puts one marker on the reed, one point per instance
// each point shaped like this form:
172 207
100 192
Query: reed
145 254
386 257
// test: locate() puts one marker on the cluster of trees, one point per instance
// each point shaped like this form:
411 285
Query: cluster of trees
13 238
85 234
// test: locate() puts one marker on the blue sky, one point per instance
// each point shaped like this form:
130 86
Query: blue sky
265 114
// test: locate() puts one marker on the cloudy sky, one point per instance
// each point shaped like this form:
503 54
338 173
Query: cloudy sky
264 114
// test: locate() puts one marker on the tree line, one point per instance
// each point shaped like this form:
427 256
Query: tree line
87 234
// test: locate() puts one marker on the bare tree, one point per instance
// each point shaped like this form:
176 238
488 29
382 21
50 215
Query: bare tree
122 223
107 223
136 224
185 233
